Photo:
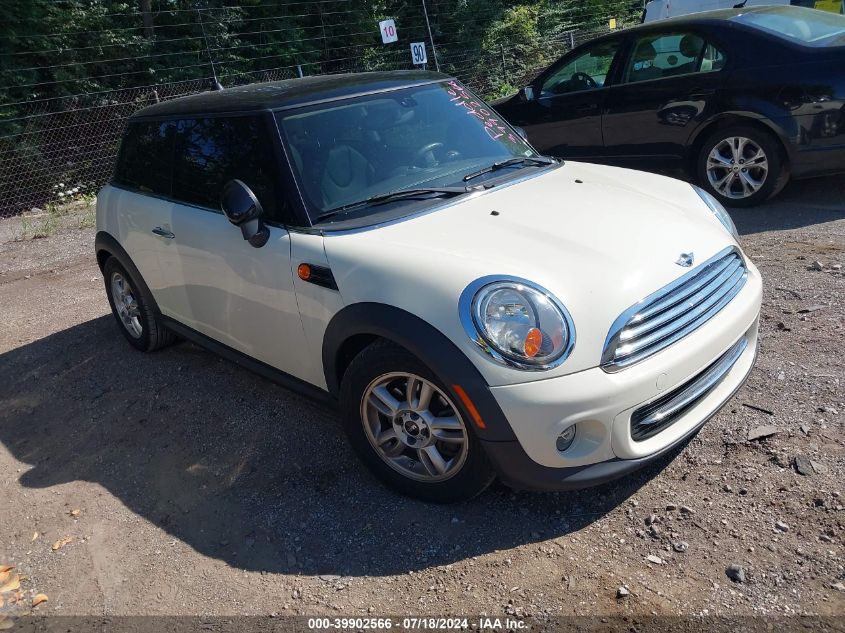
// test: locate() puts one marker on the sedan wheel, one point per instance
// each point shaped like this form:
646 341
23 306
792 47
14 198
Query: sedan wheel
737 167
741 165
126 305
414 427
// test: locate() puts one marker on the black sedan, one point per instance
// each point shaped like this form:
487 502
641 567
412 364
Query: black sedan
740 99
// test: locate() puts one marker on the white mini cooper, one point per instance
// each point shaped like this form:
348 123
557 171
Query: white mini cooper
386 241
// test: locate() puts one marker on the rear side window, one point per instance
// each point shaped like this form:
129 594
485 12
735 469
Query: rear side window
146 157
672 55
212 151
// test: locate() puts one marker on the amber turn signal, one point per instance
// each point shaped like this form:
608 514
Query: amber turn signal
304 272
533 342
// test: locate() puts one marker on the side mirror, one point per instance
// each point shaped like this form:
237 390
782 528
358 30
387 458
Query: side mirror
242 208
527 93
521 132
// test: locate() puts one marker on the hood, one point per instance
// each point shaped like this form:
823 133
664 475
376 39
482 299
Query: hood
599 238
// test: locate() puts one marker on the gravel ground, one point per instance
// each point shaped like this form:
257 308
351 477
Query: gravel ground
178 483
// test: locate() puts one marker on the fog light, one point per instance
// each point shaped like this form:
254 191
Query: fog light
565 439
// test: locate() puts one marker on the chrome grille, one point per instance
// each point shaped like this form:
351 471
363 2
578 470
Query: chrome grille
671 313
649 420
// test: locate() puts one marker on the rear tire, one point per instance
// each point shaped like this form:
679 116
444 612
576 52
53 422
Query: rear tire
132 309
741 166
422 445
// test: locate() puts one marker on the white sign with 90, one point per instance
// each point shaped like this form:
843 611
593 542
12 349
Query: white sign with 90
418 55
387 28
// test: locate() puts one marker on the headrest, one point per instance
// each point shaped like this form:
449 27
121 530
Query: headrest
691 45
645 52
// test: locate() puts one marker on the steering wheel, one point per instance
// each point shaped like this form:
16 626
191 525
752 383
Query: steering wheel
424 156
585 79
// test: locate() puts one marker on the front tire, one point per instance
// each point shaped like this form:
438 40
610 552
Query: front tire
133 311
741 166
409 429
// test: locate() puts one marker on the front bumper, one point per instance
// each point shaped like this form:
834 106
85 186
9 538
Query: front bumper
602 405
519 471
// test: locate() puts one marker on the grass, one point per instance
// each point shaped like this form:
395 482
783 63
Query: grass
79 213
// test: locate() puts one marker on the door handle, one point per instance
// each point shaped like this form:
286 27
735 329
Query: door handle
164 233
586 107
698 93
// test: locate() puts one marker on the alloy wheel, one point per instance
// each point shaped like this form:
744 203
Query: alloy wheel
737 167
126 305
414 427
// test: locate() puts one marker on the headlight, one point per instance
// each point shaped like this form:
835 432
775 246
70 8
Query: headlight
718 210
518 323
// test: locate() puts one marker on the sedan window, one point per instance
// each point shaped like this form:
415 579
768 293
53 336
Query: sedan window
670 55
587 71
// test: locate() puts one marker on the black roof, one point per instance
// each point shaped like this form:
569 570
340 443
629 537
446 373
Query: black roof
275 95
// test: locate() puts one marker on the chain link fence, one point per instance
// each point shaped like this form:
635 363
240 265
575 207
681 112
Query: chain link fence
55 149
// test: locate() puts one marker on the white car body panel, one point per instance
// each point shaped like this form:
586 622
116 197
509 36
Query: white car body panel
663 9
572 238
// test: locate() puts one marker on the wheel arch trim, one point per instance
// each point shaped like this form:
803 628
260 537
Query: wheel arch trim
420 338
728 118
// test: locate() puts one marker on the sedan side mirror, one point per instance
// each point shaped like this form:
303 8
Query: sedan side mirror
527 93
242 208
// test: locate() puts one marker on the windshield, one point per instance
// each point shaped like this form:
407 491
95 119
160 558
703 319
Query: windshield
430 136
807 26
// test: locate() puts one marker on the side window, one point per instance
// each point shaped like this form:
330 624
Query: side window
146 157
587 71
670 55
212 151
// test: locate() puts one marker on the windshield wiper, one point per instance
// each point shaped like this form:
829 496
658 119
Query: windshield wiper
390 196
527 160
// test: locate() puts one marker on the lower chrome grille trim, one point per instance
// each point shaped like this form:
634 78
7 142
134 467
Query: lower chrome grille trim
649 420
673 312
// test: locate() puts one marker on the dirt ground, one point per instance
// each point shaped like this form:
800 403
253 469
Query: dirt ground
187 485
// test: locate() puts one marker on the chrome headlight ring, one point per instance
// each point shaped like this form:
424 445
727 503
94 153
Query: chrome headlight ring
479 292
718 210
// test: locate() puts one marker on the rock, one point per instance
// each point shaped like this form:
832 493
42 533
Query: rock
650 519
838 586
826 538
329 577
818 467
803 465
809 309
654 531
687 510
781 526
654 559
828 409
816 265
622 592
836 266
758 433
680 546
735 572
670 507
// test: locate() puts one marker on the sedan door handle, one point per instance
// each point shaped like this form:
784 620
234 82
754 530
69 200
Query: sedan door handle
698 93
164 233
586 107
